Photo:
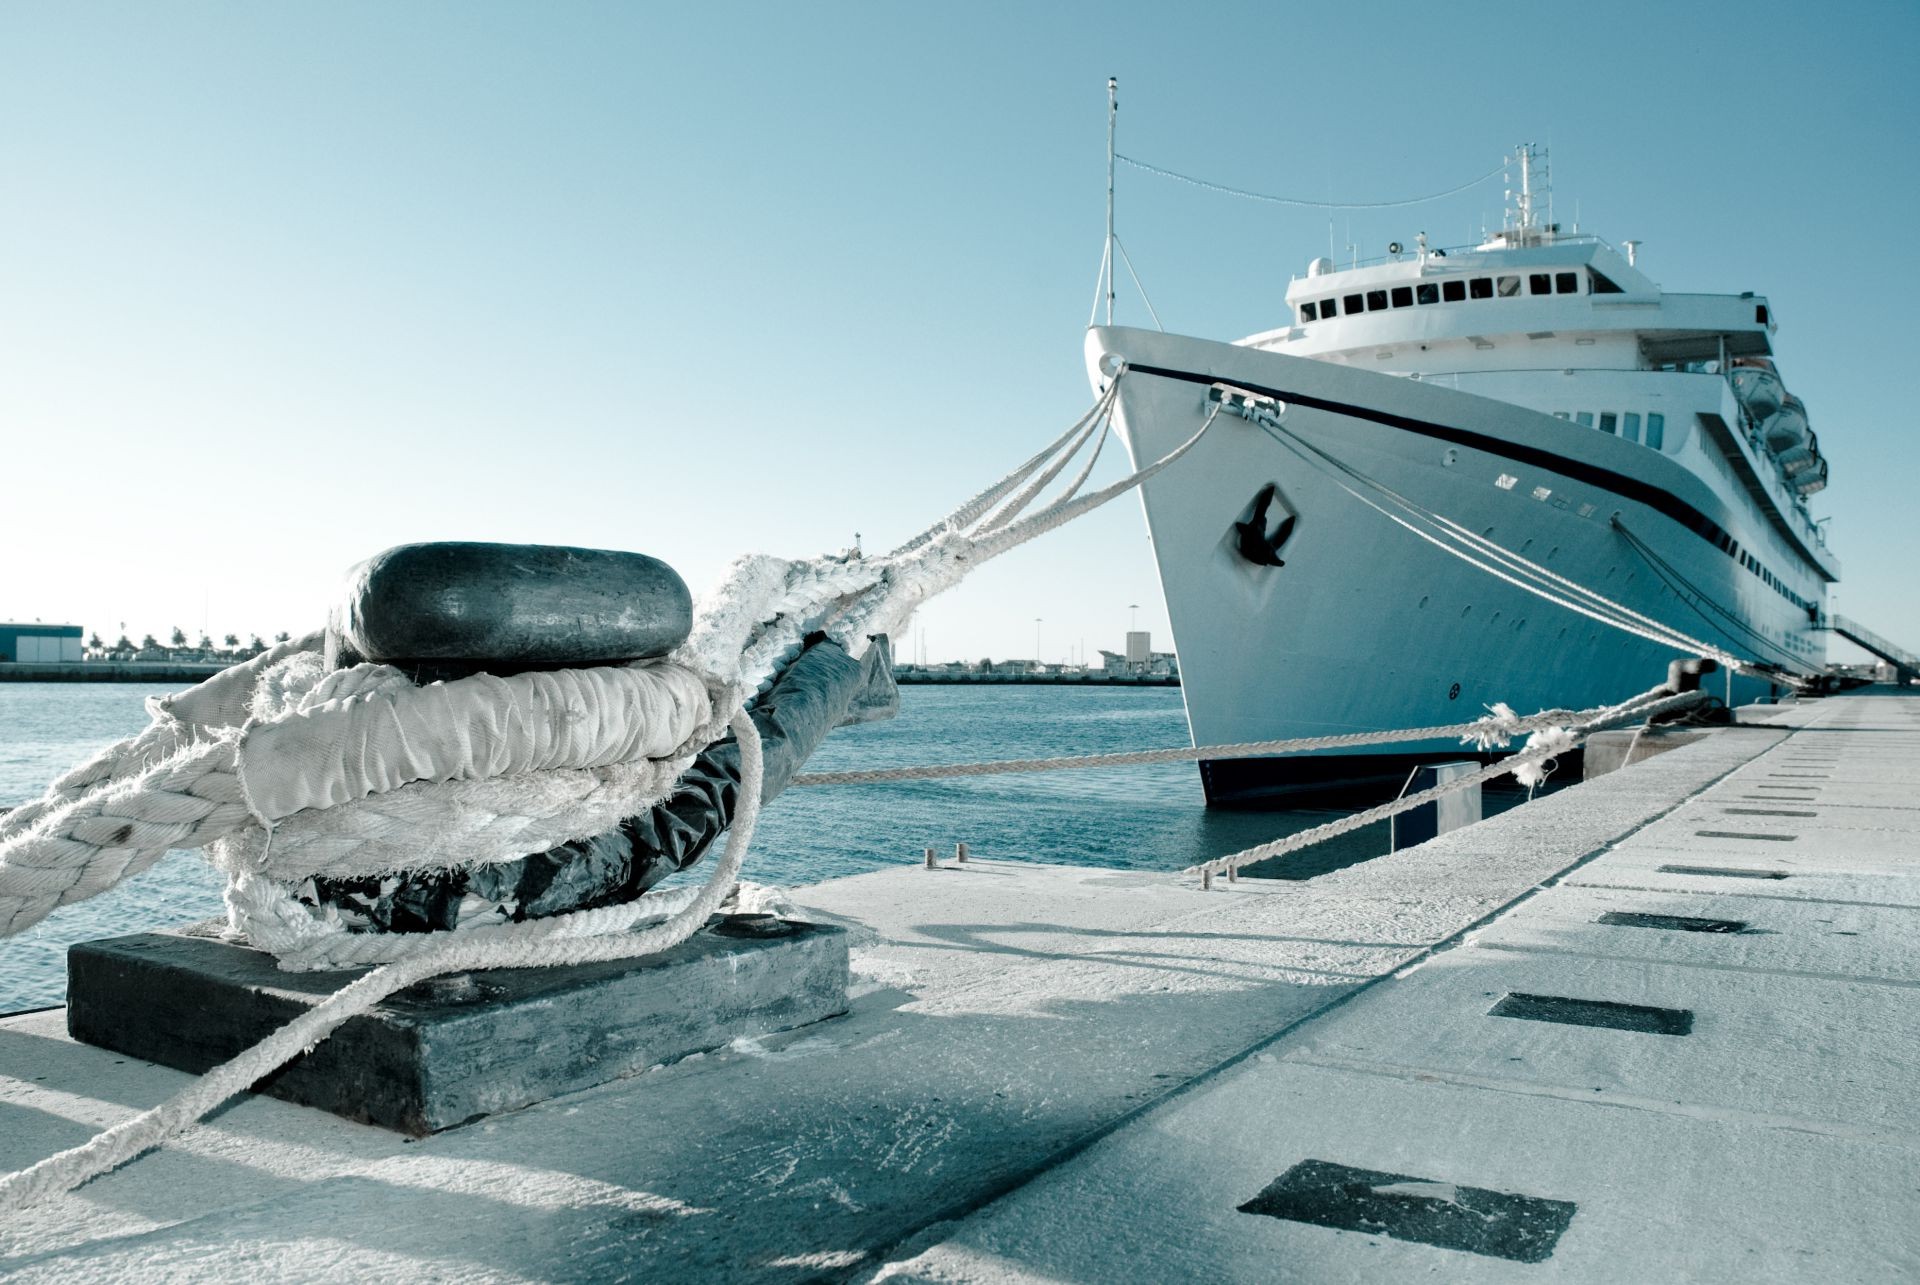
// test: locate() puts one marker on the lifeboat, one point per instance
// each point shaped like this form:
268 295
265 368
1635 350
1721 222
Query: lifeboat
1757 385
1812 479
1798 459
1786 429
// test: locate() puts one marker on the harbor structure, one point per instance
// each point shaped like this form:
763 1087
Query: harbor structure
37 643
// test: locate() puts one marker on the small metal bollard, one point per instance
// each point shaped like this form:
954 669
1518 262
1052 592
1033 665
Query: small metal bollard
1233 874
1206 881
932 862
960 852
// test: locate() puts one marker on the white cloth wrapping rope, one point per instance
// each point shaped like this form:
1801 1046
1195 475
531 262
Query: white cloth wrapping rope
543 943
378 775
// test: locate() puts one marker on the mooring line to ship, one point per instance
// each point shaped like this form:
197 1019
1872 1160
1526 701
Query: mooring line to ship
182 782
1598 607
1493 730
1682 587
185 780
1529 767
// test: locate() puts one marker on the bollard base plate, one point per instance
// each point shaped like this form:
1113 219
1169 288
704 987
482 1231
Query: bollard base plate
454 1049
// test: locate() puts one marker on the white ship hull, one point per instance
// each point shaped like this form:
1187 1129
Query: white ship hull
1367 627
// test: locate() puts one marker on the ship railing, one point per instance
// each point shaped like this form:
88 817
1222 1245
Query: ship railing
1448 251
1855 632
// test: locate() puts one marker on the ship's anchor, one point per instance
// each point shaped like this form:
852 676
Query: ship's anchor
1255 543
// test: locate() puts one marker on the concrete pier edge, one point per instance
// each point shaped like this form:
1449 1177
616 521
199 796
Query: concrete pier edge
1026 1039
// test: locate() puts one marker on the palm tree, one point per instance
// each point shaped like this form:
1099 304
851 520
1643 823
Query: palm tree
282 636
232 641
94 643
255 646
149 643
178 637
123 643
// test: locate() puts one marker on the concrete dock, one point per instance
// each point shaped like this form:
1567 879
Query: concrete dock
1662 1025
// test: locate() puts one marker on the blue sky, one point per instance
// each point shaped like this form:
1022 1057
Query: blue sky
284 285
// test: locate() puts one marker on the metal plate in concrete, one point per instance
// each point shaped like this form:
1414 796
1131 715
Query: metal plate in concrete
1814 1053
1660 1193
1727 810
1783 935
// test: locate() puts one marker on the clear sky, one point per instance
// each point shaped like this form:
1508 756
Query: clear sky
282 285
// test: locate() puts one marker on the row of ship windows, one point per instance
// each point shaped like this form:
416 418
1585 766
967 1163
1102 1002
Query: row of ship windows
1733 550
1454 290
1626 425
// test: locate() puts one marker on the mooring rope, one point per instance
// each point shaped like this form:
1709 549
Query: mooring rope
1495 729
472 770
444 954
1481 552
1526 767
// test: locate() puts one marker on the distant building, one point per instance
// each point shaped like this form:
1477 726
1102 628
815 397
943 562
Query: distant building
40 643
1140 658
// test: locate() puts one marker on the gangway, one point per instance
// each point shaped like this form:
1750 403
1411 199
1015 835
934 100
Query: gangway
1906 665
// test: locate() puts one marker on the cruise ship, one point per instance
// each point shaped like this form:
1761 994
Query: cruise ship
1536 392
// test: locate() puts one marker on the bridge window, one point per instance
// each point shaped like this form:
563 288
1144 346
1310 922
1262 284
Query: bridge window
1540 283
1354 303
1630 426
1328 308
1602 284
1607 419
1583 418
1426 292
1309 312
1509 287
1403 296
1376 301
1657 431
1566 282
1453 291
1480 288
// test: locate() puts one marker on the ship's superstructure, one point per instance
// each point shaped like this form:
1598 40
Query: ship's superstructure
1538 388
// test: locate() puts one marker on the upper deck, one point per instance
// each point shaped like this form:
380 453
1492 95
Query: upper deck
1566 325
1559 302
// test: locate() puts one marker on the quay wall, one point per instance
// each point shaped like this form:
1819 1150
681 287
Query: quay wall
908 677
160 671
109 671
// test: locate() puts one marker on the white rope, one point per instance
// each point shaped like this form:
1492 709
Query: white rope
1527 767
1496 728
1518 570
114 1147
380 776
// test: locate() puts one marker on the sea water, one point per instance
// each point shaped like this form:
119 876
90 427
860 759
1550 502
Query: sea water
1150 818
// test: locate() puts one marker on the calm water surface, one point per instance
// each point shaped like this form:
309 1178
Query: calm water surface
1141 817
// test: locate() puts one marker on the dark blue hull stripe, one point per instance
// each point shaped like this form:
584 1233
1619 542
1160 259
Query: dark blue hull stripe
1619 484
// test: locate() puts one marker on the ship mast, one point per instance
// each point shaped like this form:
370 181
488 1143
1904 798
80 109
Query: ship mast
1113 113
1524 223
